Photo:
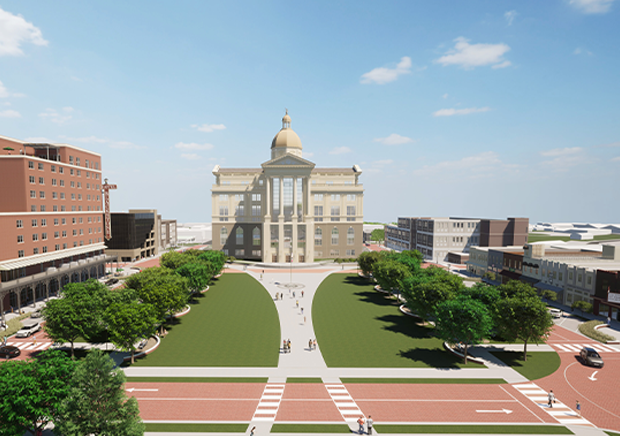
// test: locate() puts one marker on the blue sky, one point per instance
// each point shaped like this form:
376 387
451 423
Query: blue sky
478 108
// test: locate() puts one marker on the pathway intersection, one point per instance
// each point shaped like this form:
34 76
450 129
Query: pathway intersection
333 401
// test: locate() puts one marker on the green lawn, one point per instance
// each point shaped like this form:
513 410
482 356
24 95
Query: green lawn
304 380
539 364
422 381
310 428
235 323
196 428
472 429
359 327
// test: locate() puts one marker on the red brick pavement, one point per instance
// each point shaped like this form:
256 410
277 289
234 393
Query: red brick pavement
307 402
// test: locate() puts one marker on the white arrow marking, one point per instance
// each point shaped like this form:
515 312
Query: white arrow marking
506 411
141 390
592 376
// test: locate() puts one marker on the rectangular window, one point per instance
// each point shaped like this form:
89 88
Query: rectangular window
350 213
223 197
43 222
41 181
334 253
239 197
350 252
44 236
79 173
335 213
223 210
318 197
55 195
34 223
45 249
40 166
239 252
53 168
318 213
31 165
32 179
62 183
335 197
256 197
64 233
20 253
56 235
33 194
57 247
20 239
62 195
256 210
41 194
35 250
33 208
20 224
239 210
61 170
350 197
35 236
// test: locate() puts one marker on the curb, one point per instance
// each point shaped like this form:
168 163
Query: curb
461 355
185 312
144 353
613 342
204 290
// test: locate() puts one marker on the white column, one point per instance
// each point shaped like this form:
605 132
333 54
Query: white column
308 205
268 198
294 217
281 215
266 235
281 249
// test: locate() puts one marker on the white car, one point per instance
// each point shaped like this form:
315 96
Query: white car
556 313
28 330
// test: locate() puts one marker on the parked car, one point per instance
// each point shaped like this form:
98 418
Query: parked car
28 330
8 351
556 313
589 356
36 314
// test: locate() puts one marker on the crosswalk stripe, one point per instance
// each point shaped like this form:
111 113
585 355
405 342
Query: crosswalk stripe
343 401
602 348
562 347
269 403
560 412
572 348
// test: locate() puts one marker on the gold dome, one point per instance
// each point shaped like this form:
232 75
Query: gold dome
286 137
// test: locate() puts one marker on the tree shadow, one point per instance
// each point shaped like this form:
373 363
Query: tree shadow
356 280
436 358
377 298
399 323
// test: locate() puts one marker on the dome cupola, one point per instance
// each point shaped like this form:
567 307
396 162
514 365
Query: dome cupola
286 140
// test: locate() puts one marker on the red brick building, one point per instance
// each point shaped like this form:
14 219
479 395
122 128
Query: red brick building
51 220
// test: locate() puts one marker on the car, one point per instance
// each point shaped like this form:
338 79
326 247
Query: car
590 357
28 330
36 314
556 313
8 351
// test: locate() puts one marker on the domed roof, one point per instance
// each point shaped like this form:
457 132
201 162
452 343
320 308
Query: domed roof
286 138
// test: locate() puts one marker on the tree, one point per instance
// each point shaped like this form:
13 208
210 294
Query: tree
216 259
523 317
431 286
489 275
515 288
584 306
174 259
548 294
486 294
366 261
32 391
77 313
463 320
166 291
390 274
377 235
130 322
97 404
197 274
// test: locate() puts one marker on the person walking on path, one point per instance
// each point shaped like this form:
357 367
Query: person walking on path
360 422
310 344
289 345
369 424
302 310
551 398
578 407
284 345
293 294
252 431
297 303
281 296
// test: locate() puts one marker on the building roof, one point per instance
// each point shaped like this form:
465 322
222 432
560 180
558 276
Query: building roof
23 262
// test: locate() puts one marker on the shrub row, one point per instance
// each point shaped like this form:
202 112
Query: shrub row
587 328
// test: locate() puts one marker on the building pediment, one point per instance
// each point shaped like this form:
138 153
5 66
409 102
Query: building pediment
288 161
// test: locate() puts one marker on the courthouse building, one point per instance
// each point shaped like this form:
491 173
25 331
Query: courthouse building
288 210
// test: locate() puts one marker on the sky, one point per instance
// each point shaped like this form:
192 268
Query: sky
487 109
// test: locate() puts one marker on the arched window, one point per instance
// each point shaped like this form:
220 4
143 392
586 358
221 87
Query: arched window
239 236
223 235
335 236
256 236
318 237
350 236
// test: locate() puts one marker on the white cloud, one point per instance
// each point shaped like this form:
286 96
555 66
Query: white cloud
4 93
561 151
579 51
381 163
394 139
14 31
208 127
502 65
9 113
190 156
612 144
466 111
383 75
39 140
483 164
192 146
510 16
444 96
616 159
119 145
340 150
308 154
57 117
592 6
470 56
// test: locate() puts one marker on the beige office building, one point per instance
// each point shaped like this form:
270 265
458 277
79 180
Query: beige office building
288 209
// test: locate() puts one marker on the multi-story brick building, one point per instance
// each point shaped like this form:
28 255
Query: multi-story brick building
437 238
51 219
287 210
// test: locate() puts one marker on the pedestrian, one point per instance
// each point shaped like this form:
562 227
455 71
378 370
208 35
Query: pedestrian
261 276
302 294
284 345
578 407
302 310
360 422
369 424
297 303
252 431
289 345
314 344
551 398
4 339
277 296
304 319
608 320
281 296
293 294
310 344
34 341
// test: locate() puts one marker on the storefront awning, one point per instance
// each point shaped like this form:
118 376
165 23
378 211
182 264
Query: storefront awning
37 259
511 275
548 287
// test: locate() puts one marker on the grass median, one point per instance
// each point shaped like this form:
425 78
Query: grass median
359 327
539 364
235 323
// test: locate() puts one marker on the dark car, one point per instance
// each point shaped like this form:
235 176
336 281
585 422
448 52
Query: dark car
8 351
589 356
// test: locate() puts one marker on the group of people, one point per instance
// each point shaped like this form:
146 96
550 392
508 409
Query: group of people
279 296
312 344
551 401
361 421
286 345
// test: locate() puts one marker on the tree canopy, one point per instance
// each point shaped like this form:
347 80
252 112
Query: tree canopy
128 322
